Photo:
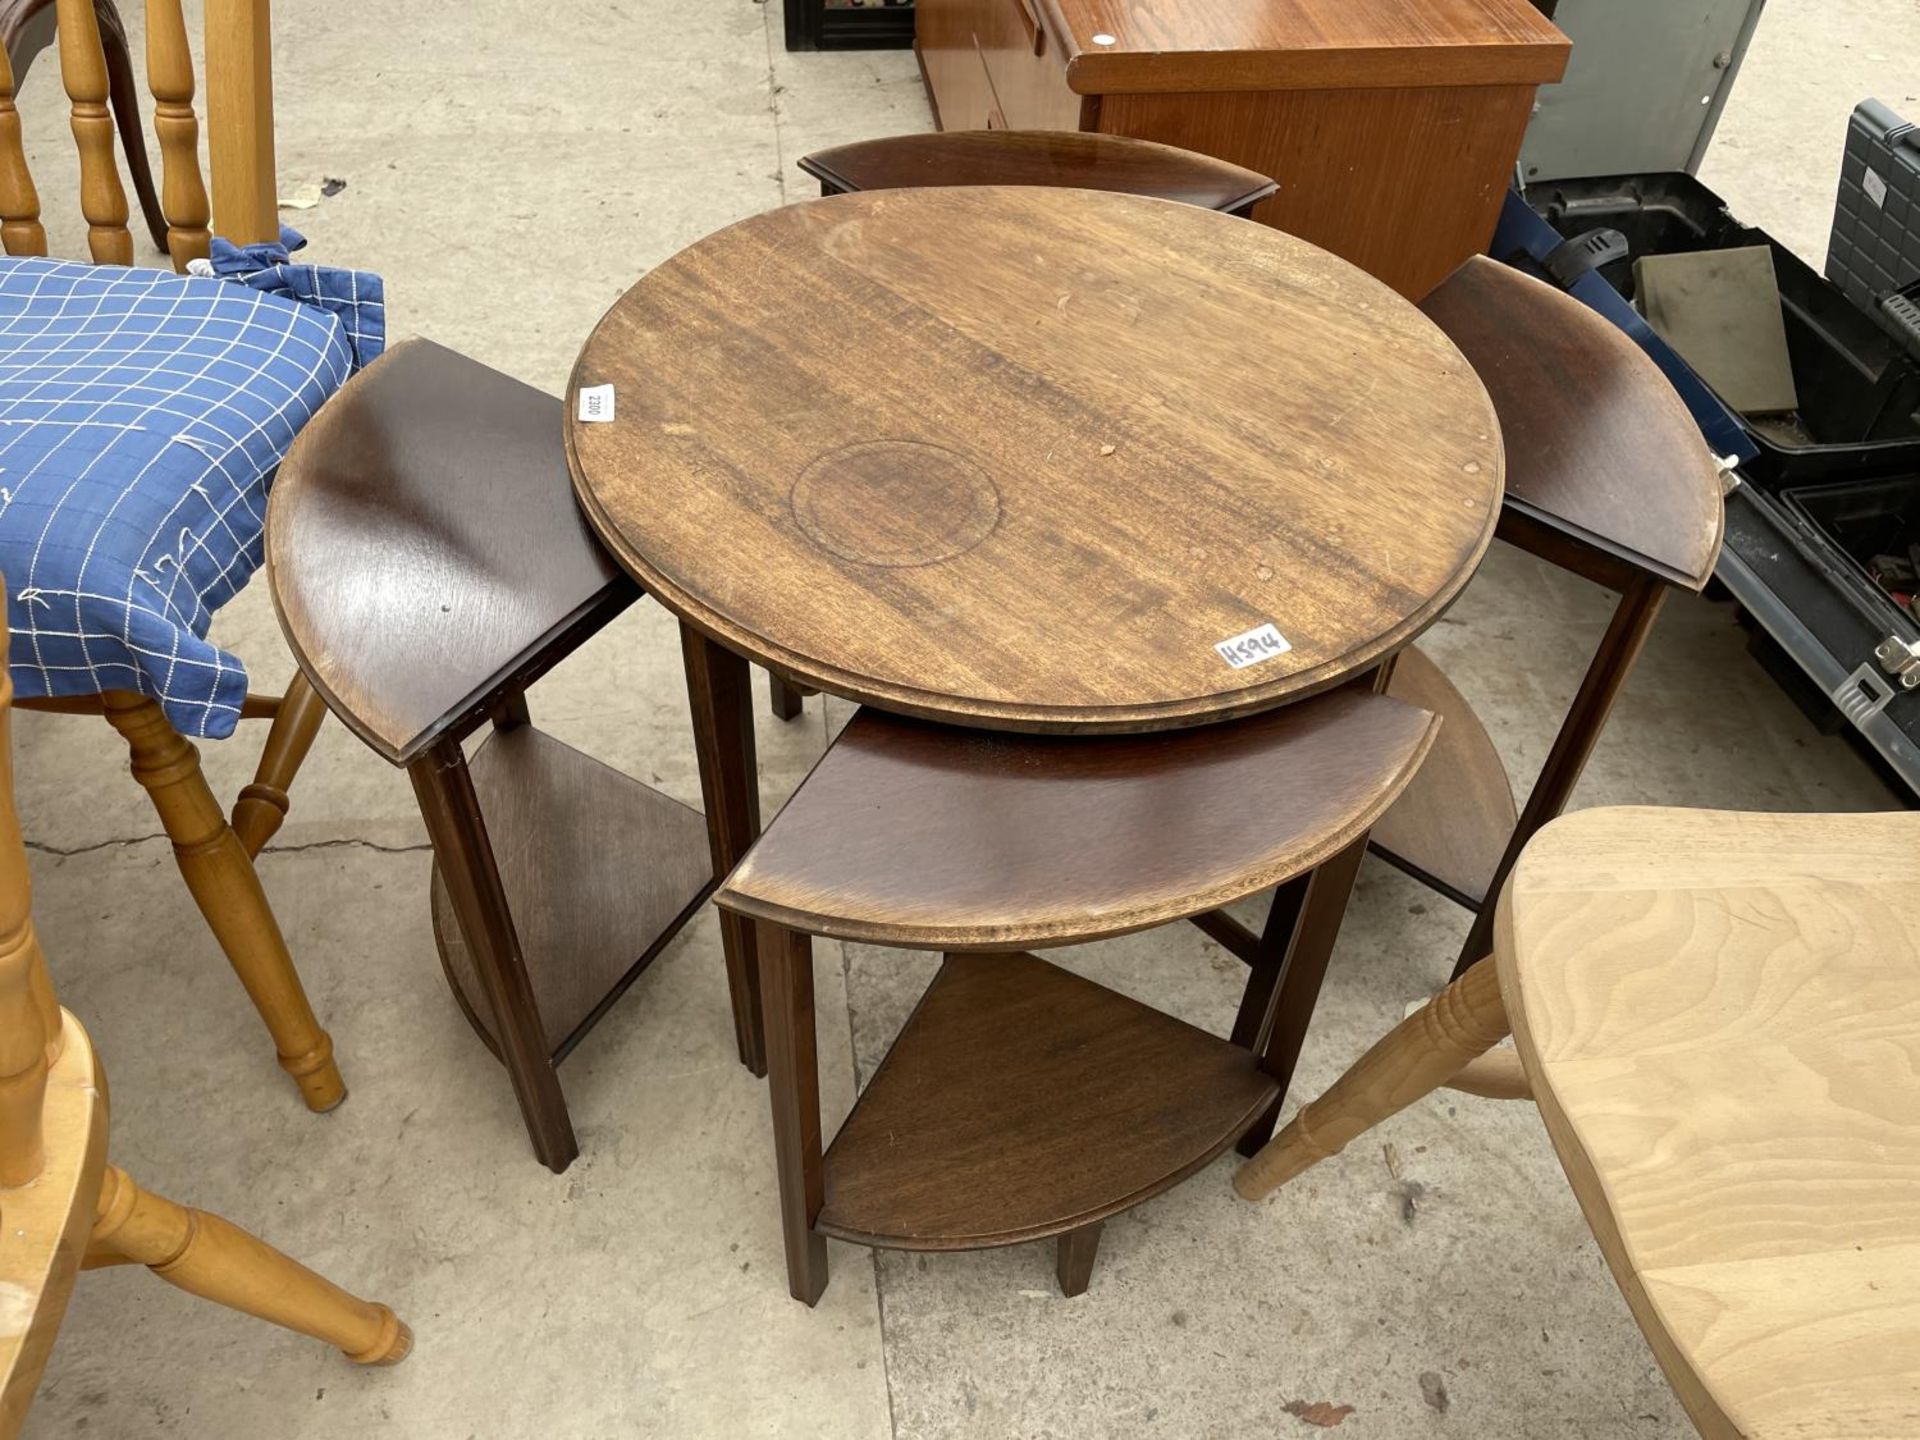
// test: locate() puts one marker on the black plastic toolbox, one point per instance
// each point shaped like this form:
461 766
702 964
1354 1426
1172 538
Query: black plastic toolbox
1818 497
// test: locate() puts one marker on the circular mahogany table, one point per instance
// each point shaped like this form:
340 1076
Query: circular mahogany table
1025 458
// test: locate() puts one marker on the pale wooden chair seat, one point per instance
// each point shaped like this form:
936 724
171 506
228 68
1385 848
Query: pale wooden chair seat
1074 159
48 1222
1718 1015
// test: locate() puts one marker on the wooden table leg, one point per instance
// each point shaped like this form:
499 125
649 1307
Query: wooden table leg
782 698
1308 951
1267 961
227 889
1626 635
460 844
1073 1261
722 700
793 1082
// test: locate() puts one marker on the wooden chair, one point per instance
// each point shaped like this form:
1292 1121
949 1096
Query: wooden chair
1607 476
63 1207
1718 1015
429 563
27 28
1070 159
1021 1102
214 854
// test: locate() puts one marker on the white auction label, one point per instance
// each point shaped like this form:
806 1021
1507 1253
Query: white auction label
1263 642
1876 188
596 402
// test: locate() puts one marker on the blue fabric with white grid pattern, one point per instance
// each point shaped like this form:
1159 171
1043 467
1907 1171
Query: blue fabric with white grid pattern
142 417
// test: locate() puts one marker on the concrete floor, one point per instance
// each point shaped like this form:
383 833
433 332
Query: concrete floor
511 175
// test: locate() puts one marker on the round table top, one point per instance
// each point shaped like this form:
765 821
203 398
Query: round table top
1035 459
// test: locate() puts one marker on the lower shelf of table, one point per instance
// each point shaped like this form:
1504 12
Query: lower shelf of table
1021 1101
600 872
1451 825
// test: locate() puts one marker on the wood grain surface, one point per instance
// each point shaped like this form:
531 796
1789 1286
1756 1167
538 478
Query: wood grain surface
422 544
1597 441
49 1220
1720 1014
600 871
1405 183
1452 823
1064 158
935 838
1022 457
1302 44
1021 1101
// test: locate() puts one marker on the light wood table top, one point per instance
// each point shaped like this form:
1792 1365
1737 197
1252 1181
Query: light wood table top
1024 458
1720 1015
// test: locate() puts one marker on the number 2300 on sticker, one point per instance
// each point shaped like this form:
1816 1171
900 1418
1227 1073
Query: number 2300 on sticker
1263 642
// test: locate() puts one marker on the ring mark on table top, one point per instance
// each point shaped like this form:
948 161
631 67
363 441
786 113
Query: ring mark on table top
895 503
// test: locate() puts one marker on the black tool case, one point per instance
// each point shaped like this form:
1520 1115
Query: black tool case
1823 498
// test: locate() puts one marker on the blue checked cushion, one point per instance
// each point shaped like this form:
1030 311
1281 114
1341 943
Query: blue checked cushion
142 417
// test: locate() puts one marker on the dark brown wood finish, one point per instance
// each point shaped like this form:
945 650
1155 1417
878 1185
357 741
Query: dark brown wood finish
1597 441
793 1074
419 553
1065 158
1309 951
1073 1265
465 855
428 563
1608 477
1626 635
720 695
599 872
1021 1102
1452 823
911 834
1082 466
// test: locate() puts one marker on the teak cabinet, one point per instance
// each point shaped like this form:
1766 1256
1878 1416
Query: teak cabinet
1392 126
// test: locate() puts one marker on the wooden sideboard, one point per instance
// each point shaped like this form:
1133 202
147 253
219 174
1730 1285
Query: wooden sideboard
1392 126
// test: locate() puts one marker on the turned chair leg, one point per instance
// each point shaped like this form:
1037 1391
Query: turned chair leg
1073 1262
793 1083
218 1261
223 883
1422 1053
124 92
262 806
